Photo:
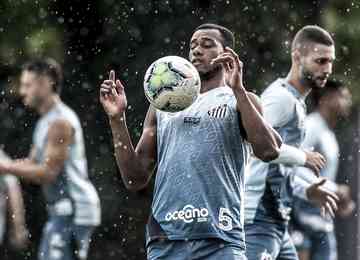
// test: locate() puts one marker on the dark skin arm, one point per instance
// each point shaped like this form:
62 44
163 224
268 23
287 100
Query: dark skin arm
136 165
257 104
60 137
264 141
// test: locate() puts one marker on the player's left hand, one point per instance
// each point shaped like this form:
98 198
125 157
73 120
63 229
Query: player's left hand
233 67
324 199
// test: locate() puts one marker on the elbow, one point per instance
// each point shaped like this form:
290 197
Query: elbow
268 155
134 187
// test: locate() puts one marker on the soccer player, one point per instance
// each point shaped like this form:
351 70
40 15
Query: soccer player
12 209
270 186
197 210
314 234
57 162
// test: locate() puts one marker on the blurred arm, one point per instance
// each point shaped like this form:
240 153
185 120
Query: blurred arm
17 226
60 136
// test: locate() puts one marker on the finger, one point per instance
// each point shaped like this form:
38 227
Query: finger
238 63
106 87
321 163
321 182
329 210
105 91
332 203
119 86
222 59
227 67
322 158
114 92
322 211
334 196
112 75
223 55
109 82
315 170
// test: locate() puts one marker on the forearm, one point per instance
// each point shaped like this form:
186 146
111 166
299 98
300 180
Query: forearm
259 133
29 171
16 209
130 166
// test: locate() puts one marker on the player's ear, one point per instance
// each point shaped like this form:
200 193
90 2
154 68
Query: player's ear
295 56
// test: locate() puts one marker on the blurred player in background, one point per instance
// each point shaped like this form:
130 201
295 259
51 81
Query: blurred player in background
57 162
271 186
197 209
12 212
314 234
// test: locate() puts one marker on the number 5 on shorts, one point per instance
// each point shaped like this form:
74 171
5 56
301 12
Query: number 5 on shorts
225 221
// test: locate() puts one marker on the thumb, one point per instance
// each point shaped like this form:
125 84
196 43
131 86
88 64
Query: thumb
320 183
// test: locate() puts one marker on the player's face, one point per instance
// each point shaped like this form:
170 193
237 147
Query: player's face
315 66
34 89
205 45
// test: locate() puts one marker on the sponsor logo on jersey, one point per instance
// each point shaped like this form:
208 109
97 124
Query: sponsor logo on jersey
218 112
192 120
188 214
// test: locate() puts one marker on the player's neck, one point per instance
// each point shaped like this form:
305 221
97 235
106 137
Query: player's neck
294 81
329 117
213 82
48 104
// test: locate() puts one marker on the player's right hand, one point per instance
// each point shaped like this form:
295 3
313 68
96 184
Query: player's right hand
314 161
112 96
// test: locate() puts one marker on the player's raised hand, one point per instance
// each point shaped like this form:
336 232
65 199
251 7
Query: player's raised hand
233 67
314 161
112 96
324 199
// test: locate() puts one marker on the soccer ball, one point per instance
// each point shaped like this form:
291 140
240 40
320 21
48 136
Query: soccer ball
171 84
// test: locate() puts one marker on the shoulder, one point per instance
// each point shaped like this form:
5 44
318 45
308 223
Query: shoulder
276 93
60 130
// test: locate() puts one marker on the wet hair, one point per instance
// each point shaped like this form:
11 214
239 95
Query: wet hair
311 34
332 86
228 39
46 67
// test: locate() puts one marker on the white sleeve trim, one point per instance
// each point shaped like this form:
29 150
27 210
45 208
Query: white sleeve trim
291 155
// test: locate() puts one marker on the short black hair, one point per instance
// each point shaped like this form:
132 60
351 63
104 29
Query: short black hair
331 86
228 39
46 67
311 34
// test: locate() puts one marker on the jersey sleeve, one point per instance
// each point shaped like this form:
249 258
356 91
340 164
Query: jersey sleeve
277 107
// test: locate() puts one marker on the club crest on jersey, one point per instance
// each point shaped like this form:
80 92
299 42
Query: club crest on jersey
218 111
